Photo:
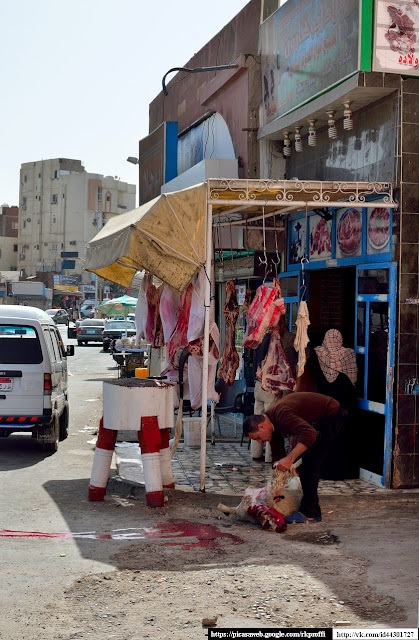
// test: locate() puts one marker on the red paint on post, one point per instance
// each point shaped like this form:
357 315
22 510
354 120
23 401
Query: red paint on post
96 493
149 436
106 437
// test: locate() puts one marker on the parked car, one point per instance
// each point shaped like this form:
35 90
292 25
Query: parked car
90 331
33 376
87 307
115 329
60 316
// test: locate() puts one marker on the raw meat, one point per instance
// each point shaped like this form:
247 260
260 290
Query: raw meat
195 340
178 338
169 312
246 305
264 313
274 372
141 310
301 339
154 328
401 33
230 359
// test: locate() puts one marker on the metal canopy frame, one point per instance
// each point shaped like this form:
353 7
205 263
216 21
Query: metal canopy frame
238 202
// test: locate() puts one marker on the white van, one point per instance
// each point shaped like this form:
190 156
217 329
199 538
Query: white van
33 376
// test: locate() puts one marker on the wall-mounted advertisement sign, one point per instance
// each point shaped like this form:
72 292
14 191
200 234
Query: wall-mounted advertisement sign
396 37
297 241
158 160
348 233
320 240
307 47
378 230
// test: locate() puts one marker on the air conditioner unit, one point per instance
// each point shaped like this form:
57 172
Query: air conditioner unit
28 219
24 207
21 256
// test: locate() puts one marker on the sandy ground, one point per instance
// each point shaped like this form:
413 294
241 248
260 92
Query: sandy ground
189 563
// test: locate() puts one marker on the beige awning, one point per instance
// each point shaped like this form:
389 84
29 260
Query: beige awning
165 236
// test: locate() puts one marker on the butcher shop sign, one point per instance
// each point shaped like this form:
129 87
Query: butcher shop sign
396 37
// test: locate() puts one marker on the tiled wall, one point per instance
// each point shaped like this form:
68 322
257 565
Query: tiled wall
367 153
406 445
384 146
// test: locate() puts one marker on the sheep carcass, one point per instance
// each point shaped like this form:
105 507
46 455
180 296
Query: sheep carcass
268 506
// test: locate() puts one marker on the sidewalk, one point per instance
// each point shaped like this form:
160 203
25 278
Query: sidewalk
229 466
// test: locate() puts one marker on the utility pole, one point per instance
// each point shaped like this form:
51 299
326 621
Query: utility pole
98 289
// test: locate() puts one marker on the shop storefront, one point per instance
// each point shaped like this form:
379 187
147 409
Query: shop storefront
339 261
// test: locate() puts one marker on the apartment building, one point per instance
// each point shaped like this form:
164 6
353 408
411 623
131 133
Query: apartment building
9 224
61 208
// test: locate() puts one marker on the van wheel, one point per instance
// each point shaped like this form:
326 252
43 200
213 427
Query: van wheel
55 433
64 423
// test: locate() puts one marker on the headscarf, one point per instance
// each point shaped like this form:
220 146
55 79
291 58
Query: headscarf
335 359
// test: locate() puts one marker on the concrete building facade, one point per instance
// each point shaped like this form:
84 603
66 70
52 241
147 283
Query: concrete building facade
9 224
61 208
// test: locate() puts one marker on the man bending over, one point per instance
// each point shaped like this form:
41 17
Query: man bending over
312 420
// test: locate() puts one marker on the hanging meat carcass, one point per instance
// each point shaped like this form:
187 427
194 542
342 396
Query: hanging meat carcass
179 338
230 359
195 337
274 372
154 327
141 310
169 313
264 312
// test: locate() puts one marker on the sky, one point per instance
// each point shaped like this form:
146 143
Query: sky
77 77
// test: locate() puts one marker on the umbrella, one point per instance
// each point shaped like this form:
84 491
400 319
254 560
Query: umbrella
122 305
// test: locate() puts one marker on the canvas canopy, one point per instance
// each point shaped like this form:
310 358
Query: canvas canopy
165 236
171 236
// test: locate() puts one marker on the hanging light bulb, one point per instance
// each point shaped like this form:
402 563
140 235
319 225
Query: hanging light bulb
348 123
287 145
298 143
312 135
332 132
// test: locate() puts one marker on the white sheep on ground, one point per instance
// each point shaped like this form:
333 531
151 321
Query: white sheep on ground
282 493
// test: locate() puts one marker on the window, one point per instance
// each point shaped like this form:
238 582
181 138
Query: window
15 225
63 195
23 203
99 194
25 178
15 247
19 344
56 175
53 247
73 242
54 219
24 224
54 198
50 348
1 252
39 175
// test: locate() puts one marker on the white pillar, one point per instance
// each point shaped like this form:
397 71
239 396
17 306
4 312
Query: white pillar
207 299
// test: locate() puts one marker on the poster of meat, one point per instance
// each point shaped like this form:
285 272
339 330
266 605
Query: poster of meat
320 238
378 230
297 240
348 233
396 37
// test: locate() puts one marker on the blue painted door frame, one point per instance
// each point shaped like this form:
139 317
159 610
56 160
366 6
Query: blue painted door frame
386 408
362 347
